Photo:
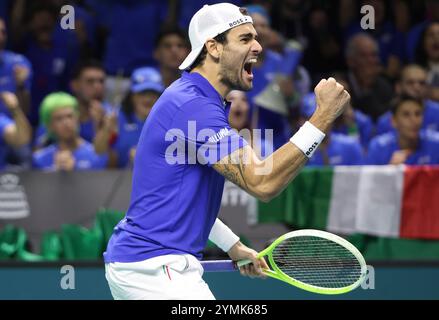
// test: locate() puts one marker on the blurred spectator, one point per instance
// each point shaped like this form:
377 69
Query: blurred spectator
122 131
415 34
130 28
14 132
15 74
15 78
352 122
51 50
87 85
427 55
239 120
289 18
269 63
59 114
390 41
186 9
337 150
239 110
86 32
413 82
408 144
323 51
342 145
370 92
171 48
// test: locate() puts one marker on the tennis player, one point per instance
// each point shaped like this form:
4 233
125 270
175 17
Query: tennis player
185 152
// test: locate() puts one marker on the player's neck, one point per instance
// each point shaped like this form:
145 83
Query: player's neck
211 73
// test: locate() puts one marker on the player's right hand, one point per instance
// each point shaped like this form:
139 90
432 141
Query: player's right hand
332 99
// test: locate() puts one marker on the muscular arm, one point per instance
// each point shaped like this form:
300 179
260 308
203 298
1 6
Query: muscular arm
265 179
275 172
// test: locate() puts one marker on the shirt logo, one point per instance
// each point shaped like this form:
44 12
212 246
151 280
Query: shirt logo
219 135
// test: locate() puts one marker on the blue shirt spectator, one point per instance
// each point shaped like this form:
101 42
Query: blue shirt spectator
391 42
9 61
187 9
408 143
267 119
146 87
52 52
339 150
87 129
123 133
84 155
132 27
4 123
382 148
59 114
15 73
431 118
362 127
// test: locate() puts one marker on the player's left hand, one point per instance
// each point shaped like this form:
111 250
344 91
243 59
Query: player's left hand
240 252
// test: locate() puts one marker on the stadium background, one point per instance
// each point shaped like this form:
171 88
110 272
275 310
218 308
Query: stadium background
65 218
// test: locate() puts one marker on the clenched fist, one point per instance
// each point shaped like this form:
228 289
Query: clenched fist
332 99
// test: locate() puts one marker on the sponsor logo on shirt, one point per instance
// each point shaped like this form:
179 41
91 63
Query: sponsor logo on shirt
221 134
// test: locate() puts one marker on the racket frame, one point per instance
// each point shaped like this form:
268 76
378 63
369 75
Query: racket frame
278 274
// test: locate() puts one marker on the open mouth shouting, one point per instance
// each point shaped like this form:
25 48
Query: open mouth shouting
247 70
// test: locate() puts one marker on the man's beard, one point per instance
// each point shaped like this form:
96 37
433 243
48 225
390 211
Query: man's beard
231 79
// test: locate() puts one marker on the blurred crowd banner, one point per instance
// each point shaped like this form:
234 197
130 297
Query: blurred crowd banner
43 201
386 211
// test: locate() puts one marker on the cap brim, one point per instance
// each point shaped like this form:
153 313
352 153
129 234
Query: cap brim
147 86
190 58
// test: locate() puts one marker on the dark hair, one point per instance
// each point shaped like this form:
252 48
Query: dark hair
171 30
86 64
221 38
398 101
420 53
127 106
37 7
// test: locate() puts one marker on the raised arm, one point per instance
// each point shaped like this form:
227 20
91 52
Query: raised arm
20 132
266 178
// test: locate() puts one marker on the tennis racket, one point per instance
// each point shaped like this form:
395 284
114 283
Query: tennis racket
312 260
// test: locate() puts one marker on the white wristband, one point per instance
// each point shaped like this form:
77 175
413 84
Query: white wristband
222 236
308 138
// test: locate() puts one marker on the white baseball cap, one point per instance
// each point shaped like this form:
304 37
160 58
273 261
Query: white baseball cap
208 22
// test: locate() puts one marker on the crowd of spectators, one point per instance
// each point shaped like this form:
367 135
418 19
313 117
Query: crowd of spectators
76 99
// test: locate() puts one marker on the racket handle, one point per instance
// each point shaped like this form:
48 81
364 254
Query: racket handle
219 265
241 263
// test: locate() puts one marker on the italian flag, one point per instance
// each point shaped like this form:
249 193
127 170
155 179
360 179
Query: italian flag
385 201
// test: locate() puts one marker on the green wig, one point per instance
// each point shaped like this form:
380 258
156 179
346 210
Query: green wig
53 102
